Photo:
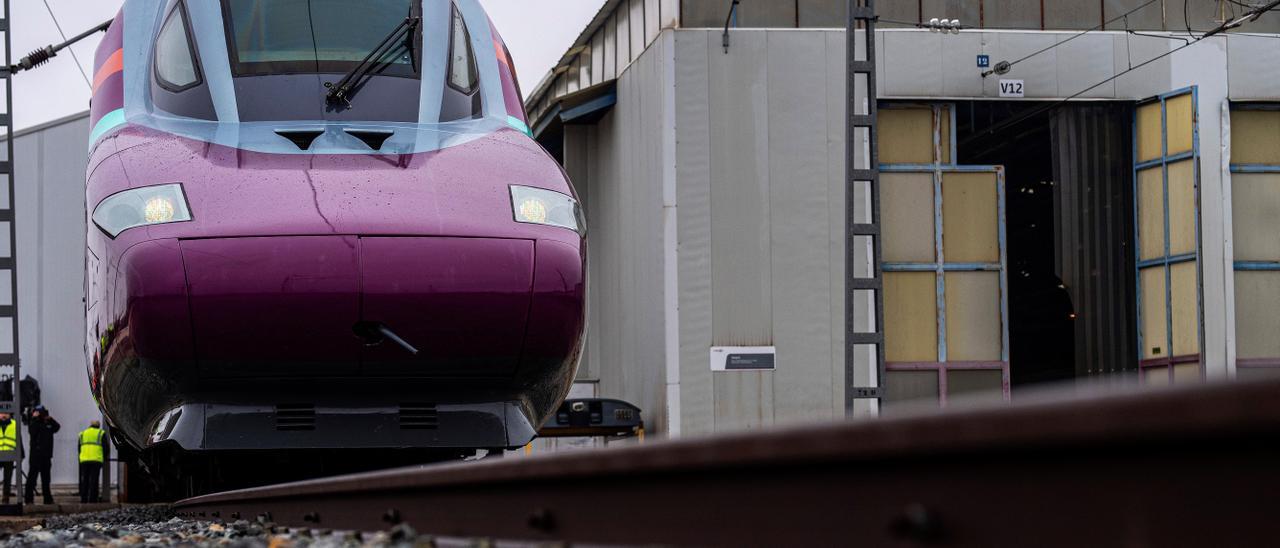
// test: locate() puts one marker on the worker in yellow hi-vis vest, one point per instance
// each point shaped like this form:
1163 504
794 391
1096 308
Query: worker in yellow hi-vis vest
8 443
91 456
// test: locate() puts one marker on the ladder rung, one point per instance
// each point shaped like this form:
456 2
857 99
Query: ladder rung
6 263
4 25
862 67
866 392
4 167
863 174
6 215
4 119
864 230
866 338
8 311
864 283
862 120
8 359
863 12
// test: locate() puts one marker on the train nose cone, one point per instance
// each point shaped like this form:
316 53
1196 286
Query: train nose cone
463 303
313 305
274 306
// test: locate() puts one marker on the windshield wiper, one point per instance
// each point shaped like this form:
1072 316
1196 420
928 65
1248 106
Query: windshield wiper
343 89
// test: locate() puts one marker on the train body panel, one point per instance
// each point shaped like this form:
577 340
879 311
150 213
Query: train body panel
270 268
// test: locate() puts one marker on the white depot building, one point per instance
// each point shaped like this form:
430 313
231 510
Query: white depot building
1105 208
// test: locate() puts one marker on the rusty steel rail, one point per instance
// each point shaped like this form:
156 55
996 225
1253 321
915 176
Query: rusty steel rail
1196 466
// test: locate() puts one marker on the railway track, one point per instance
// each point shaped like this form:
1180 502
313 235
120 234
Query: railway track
1195 466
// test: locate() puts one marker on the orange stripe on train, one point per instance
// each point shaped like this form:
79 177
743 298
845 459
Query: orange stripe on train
114 64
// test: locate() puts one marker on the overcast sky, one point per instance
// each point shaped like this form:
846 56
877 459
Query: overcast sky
537 32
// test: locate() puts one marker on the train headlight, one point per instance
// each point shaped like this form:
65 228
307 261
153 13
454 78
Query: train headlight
136 207
546 207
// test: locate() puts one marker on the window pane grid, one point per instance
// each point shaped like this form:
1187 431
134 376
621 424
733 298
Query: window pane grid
1166 189
1255 190
923 172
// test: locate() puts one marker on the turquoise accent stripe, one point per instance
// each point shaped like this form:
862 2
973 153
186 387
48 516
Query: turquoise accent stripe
109 121
516 123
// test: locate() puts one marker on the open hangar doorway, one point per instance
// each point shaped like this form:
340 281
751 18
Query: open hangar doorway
1070 225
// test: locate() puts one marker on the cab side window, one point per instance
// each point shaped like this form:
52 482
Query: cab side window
462 83
175 61
463 75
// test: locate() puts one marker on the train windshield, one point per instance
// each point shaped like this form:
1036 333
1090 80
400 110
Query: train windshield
316 36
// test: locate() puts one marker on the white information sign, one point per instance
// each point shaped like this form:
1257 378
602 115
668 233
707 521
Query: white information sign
742 358
1012 88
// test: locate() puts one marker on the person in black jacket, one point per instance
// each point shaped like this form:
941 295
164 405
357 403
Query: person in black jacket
41 427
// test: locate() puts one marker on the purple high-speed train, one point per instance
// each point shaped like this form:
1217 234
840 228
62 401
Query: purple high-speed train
319 225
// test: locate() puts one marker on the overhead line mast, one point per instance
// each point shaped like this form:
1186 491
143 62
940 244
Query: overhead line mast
862 170
10 359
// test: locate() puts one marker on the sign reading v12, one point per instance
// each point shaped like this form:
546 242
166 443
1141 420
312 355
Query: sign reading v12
1012 88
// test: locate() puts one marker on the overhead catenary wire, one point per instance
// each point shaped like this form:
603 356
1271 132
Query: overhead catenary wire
83 74
1252 15
1005 65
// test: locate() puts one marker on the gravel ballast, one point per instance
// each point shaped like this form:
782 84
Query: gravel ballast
157 526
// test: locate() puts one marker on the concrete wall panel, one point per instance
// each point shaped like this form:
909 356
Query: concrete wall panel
1040 73
740 213
962 50
624 212
742 281
1141 80
1079 68
864 361
912 63
1254 66
693 170
798 201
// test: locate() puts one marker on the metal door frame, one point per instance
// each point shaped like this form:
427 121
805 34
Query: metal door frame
1166 260
937 170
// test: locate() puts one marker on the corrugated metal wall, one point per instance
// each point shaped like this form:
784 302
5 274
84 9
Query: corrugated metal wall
616 165
760 164
1094 202
50 165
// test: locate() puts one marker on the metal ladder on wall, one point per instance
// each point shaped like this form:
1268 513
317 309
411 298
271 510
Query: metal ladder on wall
8 262
862 213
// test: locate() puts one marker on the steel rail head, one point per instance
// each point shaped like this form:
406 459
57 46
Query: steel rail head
1031 470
